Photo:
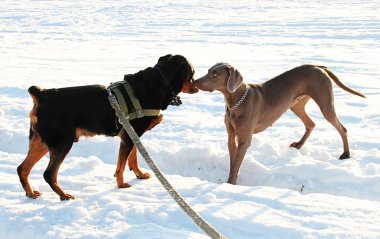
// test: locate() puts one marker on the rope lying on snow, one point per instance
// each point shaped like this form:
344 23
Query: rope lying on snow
205 226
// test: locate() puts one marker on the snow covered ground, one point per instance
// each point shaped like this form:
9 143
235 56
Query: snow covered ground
67 43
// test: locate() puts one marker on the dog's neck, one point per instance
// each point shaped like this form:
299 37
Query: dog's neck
233 100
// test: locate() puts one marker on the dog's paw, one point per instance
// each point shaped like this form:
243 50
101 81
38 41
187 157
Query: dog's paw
344 156
34 194
296 145
231 180
66 197
142 175
124 185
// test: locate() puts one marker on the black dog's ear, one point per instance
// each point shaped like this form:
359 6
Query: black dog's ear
176 62
183 64
180 60
165 57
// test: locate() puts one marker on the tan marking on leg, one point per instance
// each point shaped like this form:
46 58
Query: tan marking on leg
133 165
82 132
121 163
36 151
132 158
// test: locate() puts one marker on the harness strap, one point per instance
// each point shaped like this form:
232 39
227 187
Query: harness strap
136 104
134 115
120 98
139 112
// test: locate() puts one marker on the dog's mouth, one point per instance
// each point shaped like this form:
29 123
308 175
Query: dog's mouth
193 91
200 84
190 91
190 87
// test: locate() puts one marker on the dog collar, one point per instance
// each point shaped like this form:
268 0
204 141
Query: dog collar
175 98
241 99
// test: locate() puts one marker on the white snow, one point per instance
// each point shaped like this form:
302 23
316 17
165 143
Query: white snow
66 43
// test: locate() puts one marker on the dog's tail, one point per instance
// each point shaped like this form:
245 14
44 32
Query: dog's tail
36 93
339 83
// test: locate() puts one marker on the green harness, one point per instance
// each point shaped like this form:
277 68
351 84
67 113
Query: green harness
122 90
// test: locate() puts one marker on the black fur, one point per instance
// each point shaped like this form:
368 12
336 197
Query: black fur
61 111
60 116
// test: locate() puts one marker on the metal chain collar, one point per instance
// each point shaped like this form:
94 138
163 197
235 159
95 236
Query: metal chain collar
241 99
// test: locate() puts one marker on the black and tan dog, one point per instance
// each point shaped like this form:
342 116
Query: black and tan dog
60 116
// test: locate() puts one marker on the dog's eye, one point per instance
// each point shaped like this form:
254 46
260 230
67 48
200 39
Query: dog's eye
214 75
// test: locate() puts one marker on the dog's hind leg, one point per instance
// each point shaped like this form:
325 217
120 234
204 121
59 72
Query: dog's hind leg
332 118
325 101
36 151
299 110
57 155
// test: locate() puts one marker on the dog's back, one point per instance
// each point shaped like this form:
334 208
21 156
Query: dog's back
61 112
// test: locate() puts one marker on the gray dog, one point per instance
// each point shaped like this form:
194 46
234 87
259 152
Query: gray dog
252 108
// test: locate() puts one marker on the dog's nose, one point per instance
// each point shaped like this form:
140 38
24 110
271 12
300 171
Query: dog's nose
194 90
197 82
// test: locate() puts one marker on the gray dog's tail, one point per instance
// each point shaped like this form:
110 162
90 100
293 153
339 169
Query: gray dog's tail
339 83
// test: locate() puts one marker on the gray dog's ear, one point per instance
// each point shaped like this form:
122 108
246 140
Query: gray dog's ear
234 80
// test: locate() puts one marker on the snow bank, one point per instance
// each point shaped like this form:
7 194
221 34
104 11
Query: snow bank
281 192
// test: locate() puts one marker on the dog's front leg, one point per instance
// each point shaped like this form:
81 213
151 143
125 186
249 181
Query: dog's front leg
243 142
133 165
231 142
132 158
124 151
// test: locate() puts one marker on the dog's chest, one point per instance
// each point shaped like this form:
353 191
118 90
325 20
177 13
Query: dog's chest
234 118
